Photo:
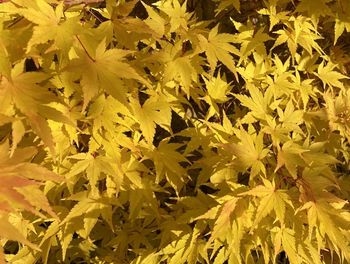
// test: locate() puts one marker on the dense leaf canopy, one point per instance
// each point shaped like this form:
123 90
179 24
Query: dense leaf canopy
198 131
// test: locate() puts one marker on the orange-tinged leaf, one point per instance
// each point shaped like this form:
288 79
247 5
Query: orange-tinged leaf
223 222
20 182
37 199
36 172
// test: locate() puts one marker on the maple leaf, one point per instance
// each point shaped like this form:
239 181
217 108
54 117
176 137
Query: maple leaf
290 117
102 70
316 9
25 91
89 208
154 21
177 13
20 190
342 21
224 4
258 102
8 231
217 89
181 69
218 47
30 98
271 199
337 110
167 163
274 16
222 223
153 111
21 179
49 25
331 223
250 155
290 246
330 77
93 166
290 157
300 32
178 67
250 40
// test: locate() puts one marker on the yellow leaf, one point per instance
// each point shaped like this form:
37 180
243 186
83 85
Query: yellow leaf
218 47
154 111
48 24
103 69
289 245
29 97
224 4
274 17
315 9
248 152
8 231
290 157
167 163
181 69
177 14
271 199
18 131
258 102
154 21
217 89
342 22
329 76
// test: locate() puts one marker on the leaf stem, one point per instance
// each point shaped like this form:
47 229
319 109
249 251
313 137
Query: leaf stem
87 53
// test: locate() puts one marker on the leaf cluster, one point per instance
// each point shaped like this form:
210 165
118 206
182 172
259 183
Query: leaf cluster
198 131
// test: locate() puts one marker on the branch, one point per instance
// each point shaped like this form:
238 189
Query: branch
86 2
72 2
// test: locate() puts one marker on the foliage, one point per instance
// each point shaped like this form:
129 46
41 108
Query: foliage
198 131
